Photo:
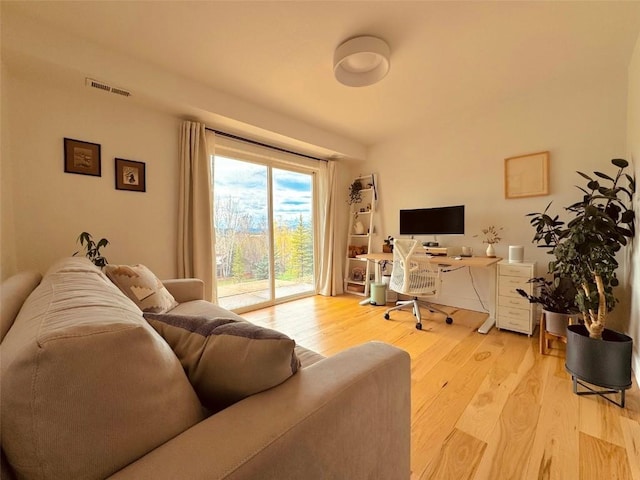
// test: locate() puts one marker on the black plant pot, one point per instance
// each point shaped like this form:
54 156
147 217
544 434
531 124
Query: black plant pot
605 363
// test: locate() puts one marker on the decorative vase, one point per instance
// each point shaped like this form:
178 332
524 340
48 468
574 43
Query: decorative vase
491 251
358 228
605 363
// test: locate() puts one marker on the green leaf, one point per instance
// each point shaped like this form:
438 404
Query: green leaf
604 175
632 182
620 162
625 232
584 175
628 216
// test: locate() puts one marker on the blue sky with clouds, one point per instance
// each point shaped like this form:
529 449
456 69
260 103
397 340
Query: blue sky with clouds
247 184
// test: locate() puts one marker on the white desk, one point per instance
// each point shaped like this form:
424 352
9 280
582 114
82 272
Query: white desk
476 262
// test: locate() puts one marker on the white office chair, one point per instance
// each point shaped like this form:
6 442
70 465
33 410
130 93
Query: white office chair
414 275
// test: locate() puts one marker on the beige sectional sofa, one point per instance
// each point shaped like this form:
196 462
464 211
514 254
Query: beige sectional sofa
90 389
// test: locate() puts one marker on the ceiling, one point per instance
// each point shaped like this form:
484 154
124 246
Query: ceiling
447 57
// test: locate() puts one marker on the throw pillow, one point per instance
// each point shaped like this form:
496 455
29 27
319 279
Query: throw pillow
227 360
140 284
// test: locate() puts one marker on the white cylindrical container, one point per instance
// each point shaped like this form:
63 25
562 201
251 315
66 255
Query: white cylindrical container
516 253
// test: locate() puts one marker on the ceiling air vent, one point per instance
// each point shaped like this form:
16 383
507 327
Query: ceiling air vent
107 88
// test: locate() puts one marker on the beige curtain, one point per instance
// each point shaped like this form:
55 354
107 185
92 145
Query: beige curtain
329 278
195 214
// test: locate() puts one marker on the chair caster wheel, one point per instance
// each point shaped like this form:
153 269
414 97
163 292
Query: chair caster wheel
449 320
386 316
419 326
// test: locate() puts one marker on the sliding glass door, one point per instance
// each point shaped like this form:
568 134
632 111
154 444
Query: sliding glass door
264 233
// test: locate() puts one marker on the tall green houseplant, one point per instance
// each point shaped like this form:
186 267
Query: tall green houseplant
585 247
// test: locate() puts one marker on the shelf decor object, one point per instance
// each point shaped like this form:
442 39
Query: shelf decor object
82 157
526 175
130 175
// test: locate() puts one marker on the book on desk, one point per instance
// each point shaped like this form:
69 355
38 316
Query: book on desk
442 251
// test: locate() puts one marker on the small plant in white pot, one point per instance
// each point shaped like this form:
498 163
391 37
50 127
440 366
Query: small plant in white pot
491 236
557 298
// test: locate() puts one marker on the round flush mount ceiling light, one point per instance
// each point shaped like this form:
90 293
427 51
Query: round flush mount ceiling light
361 61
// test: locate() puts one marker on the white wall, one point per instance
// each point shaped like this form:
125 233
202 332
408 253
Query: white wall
582 122
8 264
633 147
52 207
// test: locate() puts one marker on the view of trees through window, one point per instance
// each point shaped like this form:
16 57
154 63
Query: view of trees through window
261 253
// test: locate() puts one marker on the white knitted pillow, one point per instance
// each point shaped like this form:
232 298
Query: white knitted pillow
140 284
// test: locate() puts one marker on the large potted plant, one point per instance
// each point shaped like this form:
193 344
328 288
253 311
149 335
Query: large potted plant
584 250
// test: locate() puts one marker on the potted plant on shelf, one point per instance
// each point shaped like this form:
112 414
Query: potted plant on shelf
387 246
557 299
355 192
584 250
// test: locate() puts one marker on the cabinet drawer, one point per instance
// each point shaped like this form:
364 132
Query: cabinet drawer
511 283
514 302
515 270
516 324
514 313
509 291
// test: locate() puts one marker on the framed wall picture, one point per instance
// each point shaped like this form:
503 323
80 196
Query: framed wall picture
130 175
526 175
82 157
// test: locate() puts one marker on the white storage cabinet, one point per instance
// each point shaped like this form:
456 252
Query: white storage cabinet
514 312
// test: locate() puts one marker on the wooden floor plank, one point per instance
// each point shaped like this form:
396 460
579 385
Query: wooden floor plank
440 416
554 454
631 433
601 419
494 395
458 458
481 415
510 444
601 459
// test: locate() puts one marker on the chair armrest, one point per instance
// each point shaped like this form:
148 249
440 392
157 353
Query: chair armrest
185 289
347 416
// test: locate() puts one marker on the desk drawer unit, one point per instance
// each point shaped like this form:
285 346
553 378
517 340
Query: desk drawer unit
515 312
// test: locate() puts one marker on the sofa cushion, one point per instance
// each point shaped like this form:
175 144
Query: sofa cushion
140 284
13 292
87 385
225 359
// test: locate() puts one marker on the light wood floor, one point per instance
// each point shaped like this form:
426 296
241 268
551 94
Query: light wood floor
483 406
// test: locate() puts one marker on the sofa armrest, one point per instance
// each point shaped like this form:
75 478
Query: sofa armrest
347 416
185 289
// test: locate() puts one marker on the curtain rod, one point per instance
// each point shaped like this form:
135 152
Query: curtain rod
266 145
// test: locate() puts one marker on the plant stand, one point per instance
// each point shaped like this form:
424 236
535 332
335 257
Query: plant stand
604 363
547 337
601 393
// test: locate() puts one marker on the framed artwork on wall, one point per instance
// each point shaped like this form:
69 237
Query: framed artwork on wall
82 157
130 175
526 175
